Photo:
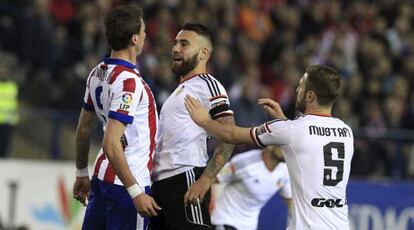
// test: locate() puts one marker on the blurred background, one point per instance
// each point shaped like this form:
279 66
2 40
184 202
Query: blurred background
262 47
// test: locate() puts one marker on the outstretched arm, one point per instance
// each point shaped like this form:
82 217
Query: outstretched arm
228 132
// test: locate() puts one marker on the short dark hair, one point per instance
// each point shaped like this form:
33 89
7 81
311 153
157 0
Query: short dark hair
325 82
121 23
199 29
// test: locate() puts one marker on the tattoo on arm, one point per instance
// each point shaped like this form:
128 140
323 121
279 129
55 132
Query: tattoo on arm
82 139
222 153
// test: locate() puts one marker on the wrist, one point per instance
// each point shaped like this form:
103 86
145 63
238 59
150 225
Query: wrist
208 178
204 123
134 190
82 172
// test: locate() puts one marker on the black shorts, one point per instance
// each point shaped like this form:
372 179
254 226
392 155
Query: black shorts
169 195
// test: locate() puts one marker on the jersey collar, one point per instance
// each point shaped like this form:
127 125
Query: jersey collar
117 61
195 75
320 114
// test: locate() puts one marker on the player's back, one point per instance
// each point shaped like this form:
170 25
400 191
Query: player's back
319 158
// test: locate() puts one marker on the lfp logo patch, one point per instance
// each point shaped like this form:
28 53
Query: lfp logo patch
127 98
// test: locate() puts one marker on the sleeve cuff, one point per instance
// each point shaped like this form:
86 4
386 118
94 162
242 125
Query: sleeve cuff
255 138
121 117
88 107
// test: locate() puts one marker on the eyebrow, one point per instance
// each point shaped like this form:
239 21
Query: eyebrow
181 40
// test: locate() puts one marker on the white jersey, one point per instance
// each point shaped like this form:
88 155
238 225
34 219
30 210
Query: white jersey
318 151
249 185
115 90
181 143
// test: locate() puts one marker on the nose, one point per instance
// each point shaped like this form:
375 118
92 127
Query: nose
175 49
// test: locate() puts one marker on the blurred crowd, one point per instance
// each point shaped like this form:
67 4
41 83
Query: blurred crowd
261 49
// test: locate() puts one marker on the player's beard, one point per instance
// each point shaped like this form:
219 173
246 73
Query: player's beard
185 67
301 104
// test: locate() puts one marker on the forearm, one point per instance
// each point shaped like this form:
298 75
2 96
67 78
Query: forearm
222 152
223 132
228 133
115 154
82 149
220 158
82 139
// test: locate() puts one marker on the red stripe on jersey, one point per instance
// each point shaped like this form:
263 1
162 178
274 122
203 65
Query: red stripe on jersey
152 122
140 98
109 174
89 101
118 70
217 97
129 85
98 164
122 111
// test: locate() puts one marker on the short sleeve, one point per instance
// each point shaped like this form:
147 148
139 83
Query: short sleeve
218 101
87 99
275 132
127 93
285 191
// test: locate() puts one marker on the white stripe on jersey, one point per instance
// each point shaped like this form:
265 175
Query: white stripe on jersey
117 91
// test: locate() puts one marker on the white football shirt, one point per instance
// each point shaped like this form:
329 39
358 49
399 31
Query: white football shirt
248 186
318 151
116 90
181 143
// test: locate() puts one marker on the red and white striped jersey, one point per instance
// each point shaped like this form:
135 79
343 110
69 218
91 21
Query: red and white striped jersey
116 90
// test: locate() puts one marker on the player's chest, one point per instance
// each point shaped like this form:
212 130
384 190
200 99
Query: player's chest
175 102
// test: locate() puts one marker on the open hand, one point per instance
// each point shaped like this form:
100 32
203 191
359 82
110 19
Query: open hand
197 112
272 108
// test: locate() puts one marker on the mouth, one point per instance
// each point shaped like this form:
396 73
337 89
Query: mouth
177 60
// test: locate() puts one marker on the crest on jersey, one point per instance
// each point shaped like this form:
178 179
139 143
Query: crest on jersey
127 98
102 71
180 90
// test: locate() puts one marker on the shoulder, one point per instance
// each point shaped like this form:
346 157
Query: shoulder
124 76
214 86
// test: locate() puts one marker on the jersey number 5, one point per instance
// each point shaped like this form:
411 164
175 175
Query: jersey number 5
330 163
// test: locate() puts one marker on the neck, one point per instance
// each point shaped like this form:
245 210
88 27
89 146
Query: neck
322 110
269 161
201 68
129 55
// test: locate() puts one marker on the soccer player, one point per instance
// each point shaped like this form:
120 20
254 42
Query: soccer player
181 178
250 179
126 107
318 148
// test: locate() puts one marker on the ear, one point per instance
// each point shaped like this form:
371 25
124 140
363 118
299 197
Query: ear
204 54
134 39
310 96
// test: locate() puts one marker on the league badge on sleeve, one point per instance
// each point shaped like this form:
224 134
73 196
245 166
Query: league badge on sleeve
126 101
